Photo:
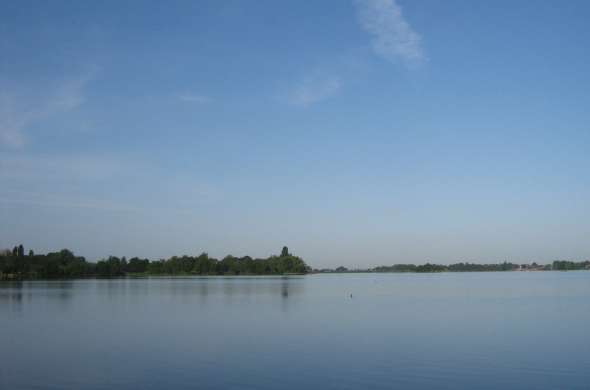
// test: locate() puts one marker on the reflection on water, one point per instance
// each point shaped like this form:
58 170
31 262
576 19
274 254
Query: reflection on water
11 295
17 293
454 331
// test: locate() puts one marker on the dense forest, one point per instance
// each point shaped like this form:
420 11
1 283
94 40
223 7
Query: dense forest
64 264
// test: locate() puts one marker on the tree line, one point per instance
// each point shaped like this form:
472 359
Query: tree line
562 265
457 267
557 265
64 264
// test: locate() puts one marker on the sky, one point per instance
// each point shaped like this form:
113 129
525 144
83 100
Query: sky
357 133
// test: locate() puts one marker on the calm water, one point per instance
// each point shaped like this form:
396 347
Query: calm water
518 330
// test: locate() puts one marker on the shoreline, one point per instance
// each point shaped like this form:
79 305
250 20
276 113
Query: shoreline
253 276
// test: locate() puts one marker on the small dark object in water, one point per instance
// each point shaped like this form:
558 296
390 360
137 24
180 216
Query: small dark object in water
351 295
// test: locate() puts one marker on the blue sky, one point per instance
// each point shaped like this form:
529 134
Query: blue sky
358 132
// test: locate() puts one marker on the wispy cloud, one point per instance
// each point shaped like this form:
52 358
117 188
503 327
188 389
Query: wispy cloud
392 36
12 122
314 89
19 111
62 169
195 98
48 200
78 181
68 95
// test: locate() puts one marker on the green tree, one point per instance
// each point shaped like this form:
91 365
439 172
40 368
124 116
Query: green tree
285 252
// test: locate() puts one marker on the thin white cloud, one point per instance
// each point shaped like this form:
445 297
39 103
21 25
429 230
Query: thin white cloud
60 201
76 181
194 98
69 95
19 111
12 122
63 169
393 37
314 89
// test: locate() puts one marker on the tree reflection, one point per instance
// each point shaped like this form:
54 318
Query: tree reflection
15 294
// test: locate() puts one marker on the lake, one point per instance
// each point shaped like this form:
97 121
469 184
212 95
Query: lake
512 330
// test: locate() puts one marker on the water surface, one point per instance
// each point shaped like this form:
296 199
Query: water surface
514 330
